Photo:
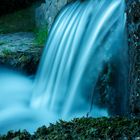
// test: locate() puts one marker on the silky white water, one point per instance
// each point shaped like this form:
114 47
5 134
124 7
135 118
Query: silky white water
85 37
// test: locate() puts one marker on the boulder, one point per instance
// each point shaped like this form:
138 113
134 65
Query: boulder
19 51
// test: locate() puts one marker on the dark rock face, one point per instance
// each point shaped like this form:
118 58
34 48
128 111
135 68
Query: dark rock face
7 6
133 20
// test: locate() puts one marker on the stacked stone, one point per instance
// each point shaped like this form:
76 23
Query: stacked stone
133 11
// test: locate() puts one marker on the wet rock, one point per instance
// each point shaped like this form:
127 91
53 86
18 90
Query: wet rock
41 18
18 51
47 12
133 26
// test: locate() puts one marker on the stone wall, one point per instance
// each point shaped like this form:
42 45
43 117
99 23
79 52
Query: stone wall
133 20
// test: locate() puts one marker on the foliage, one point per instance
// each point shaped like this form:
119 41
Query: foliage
83 129
41 36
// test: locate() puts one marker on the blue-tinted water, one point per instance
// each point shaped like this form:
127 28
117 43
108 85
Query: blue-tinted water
84 37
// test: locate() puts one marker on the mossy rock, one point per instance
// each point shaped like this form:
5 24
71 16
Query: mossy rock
26 61
83 129
20 52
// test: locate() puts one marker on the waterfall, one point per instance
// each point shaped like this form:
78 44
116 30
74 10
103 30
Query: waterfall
86 37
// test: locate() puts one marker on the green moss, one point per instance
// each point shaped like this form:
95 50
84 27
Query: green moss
6 52
41 36
26 61
84 129
3 42
23 58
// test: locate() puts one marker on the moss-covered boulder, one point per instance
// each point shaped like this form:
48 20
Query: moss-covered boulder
19 51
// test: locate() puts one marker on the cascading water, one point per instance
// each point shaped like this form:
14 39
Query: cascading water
85 36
